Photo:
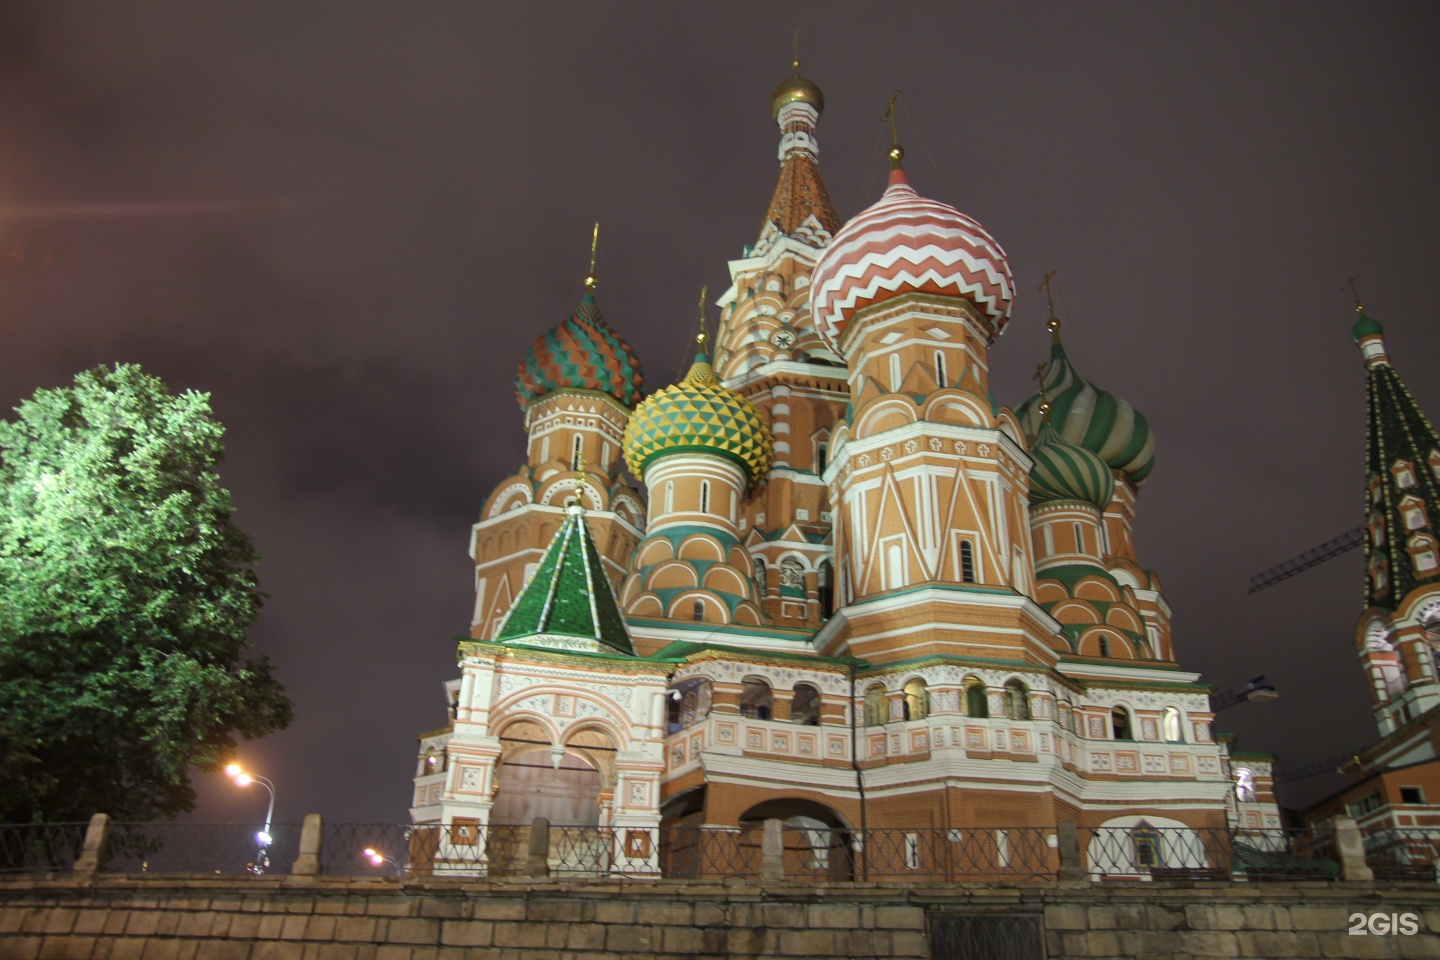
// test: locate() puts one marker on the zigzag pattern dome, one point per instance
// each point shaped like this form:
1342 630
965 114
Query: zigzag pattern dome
1091 418
1064 471
907 243
699 415
582 353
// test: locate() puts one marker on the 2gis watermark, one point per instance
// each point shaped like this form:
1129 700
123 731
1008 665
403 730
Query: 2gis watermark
1383 924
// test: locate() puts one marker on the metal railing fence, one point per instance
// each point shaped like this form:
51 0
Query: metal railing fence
1403 853
754 850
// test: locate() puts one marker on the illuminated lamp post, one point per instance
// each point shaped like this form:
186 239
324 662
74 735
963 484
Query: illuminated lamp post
234 771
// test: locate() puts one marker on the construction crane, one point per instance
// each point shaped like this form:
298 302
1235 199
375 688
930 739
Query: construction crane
1310 558
1259 689
1335 764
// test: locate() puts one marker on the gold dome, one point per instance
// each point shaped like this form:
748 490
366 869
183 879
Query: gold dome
796 89
699 415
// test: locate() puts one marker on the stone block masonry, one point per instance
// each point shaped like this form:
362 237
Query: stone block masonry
335 918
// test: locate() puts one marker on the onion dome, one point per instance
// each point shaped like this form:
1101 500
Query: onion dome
796 89
907 243
699 415
1064 471
1089 417
582 353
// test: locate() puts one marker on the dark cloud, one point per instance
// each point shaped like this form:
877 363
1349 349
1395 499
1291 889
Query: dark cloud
348 221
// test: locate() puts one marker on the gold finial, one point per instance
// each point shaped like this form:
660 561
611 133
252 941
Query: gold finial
1359 307
590 279
897 152
700 337
1039 378
1053 324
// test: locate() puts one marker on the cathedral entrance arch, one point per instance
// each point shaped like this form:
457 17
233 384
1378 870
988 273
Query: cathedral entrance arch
818 842
538 778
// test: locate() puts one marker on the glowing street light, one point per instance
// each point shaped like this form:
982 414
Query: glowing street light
379 859
238 774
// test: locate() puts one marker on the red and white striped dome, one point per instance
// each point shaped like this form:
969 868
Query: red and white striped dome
907 243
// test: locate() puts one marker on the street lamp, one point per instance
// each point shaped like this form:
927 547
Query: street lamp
379 859
244 779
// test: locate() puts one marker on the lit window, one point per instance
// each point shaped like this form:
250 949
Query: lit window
917 700
1147 845
876 709
1170 725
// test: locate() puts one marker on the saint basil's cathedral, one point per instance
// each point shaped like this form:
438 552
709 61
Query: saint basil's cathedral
857 590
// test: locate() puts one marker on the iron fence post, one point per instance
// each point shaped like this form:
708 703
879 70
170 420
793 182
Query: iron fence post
307 863
94 848
1072 867
537 858
1350 845
772 850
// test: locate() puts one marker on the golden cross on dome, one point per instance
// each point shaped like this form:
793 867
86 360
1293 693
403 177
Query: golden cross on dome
1359 307
590 280
1039 378
795 52
897 152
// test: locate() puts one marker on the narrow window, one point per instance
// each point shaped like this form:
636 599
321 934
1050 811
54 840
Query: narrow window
805 705
822 456
894 372
698 610
758 565
755 699
1104 539
876 709
575 453
1170 725
704 496
967 562
917 700
544 449
976 704
1104 646
1079 539
670 496
894 565
1017 700
824 580
940 368
1120 724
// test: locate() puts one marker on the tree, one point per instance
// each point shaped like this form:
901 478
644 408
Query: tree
125 595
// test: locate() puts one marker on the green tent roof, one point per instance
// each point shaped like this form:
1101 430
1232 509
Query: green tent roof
569 596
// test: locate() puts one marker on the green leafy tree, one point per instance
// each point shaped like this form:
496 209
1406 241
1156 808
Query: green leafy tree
125 595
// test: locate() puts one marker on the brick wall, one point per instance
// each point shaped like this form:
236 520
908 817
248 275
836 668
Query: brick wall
289 918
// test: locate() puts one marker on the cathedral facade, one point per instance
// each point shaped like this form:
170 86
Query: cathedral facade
856 590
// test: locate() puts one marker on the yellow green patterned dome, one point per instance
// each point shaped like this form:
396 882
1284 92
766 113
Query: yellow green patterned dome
699 415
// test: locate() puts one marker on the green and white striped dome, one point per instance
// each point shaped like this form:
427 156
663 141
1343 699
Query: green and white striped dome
1092 418
1064 471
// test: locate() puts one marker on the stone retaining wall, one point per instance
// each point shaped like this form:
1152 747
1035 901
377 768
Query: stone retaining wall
325 918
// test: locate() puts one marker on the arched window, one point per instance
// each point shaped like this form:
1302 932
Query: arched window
822 456
544 449
1017 700
976 700
757 564
698 610
877 711
824 583
687 701
917 700
1120 724
967 562
1104 645
704 496
792 574
805 705
755 699
575 453
940 368
1170 726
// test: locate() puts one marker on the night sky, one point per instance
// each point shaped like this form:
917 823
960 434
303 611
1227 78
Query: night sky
348 221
